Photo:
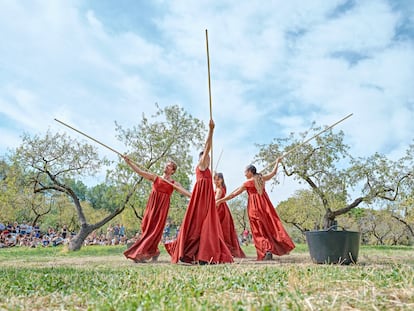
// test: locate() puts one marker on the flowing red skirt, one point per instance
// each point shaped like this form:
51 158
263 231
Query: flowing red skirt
201 237
229 231
153 223
268 232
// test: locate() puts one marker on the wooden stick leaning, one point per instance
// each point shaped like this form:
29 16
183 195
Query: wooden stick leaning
308 140
209 95
113 150
218 161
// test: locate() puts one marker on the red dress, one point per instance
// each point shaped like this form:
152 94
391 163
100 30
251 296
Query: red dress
266 226
201 237
153 222
227 225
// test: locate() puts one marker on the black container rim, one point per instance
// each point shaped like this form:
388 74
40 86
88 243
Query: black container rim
331 231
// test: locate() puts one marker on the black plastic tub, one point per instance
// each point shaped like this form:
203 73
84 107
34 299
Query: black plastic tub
333 247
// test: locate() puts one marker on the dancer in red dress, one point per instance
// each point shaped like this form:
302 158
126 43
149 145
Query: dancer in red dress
226 220
269 235
156 211
201 238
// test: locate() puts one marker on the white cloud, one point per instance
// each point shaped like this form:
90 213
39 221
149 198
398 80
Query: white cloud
9 139
275 67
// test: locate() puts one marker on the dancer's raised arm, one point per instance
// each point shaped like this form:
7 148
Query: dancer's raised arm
266 177
181 189
232 195
204 161
146 175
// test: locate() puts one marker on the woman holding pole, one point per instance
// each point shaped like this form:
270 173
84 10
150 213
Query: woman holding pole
156 211
269 235
201 239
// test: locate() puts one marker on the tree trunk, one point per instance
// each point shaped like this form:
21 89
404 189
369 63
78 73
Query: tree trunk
328 219
76 242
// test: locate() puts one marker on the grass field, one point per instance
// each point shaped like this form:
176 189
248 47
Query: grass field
100 278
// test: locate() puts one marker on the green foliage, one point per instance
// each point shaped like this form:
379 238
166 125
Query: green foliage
18 202
10 187
340 181
303 210
168 135
58 154
103 196
78 187
381 228
238 209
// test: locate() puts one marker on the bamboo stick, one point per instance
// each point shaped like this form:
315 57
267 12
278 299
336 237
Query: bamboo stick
209 95
218 161
308 140
113 150
91 138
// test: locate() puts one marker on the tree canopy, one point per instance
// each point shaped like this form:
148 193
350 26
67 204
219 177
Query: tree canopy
340 181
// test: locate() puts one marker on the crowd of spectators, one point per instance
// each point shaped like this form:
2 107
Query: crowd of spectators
115 235
23 234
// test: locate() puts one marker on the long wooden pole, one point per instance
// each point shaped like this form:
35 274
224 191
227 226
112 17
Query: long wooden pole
209 94
91 138
309 139
112 149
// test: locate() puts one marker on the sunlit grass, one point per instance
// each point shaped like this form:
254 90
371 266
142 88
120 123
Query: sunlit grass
100 278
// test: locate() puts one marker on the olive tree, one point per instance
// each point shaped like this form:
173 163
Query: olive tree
340 181
18 202
51 162
303 210
10 189
403 210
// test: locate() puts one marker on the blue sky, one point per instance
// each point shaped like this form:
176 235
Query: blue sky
276 66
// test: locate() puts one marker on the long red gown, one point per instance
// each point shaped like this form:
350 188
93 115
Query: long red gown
229 231
200 238
267 229
153 222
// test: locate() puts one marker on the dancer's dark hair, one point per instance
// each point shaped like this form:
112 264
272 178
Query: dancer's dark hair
258 178
220 175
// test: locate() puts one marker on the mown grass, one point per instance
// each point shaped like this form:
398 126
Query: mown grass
100 278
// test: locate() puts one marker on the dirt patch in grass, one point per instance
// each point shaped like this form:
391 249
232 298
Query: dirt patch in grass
164 259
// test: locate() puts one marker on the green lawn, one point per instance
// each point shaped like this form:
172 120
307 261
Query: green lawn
100 278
